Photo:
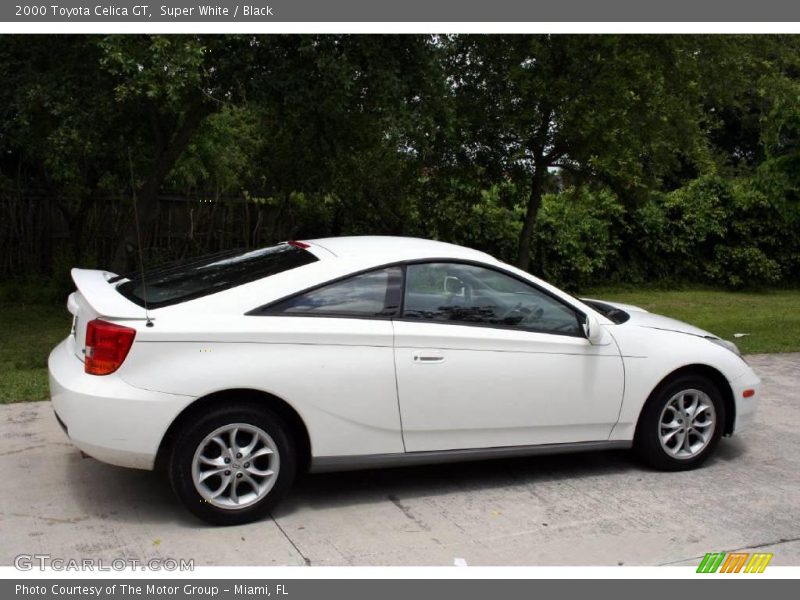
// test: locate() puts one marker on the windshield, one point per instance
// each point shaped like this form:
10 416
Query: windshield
193 278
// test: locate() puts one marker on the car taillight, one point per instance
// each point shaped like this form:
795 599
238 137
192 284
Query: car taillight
107 345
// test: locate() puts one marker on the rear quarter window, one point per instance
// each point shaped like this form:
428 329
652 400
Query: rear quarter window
186 280
371 294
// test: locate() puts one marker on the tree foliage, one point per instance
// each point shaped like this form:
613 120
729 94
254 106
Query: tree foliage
582 158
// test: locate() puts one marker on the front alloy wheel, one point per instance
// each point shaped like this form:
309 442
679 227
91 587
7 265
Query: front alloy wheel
681 424
687 424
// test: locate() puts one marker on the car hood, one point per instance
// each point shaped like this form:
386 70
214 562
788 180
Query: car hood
641 318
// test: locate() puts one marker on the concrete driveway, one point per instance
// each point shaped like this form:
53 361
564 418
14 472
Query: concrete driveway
585 509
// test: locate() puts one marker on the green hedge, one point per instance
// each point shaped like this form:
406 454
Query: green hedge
711 231
735 233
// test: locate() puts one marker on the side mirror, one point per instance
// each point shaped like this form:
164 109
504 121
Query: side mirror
594 331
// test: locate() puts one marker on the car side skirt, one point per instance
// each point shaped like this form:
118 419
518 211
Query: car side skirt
323 464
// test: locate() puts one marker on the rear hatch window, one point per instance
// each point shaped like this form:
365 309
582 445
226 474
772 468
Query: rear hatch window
185 280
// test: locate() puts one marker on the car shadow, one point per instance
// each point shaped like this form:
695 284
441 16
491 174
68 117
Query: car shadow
329 490
727 450
108 493
117 494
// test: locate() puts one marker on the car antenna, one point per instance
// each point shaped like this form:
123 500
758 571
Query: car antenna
149 322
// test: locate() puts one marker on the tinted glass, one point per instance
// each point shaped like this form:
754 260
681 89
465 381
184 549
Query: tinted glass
448 292
368 295
189 279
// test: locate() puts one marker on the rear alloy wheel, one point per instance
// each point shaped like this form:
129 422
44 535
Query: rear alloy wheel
233 465
681 424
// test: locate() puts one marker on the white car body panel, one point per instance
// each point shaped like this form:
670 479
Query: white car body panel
355 383
107 418
308 362
103 298
651 354
459 387
648 319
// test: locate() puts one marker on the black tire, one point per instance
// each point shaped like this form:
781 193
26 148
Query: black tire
647 442
193 434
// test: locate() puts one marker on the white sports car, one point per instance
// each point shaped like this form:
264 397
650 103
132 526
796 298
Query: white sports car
235 371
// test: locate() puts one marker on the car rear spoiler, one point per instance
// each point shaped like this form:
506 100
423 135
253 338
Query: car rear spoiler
102 296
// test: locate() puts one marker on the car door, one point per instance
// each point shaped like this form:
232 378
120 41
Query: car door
329 350
485 359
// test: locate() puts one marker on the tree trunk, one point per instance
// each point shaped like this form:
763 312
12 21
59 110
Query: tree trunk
531 212
125 257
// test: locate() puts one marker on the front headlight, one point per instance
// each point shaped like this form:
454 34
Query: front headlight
727 344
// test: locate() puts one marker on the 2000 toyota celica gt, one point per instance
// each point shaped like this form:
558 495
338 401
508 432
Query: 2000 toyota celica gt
235 371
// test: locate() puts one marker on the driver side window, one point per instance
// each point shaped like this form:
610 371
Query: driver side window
469 294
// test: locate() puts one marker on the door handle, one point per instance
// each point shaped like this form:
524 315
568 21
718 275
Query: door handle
427 357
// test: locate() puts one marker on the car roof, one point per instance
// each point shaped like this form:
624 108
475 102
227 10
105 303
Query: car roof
337 257
391 248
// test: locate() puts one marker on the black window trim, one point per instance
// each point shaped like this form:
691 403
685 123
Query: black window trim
579 314
265 309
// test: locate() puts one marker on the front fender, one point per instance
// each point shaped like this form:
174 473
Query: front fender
651 355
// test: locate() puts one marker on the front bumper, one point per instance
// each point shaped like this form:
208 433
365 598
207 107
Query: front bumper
105 417
745 406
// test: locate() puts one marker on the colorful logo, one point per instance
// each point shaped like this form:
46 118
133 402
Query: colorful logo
734 562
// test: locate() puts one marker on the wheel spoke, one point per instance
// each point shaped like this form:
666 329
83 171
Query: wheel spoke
259 472
671 425
250 446
210 473
680 438
219 461
225 482
232 438
260 452
253 483
219 442
235 491
702 410
666 438
691 410
687 446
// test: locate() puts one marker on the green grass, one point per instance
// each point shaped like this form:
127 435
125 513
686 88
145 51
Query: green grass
27 335
772 319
